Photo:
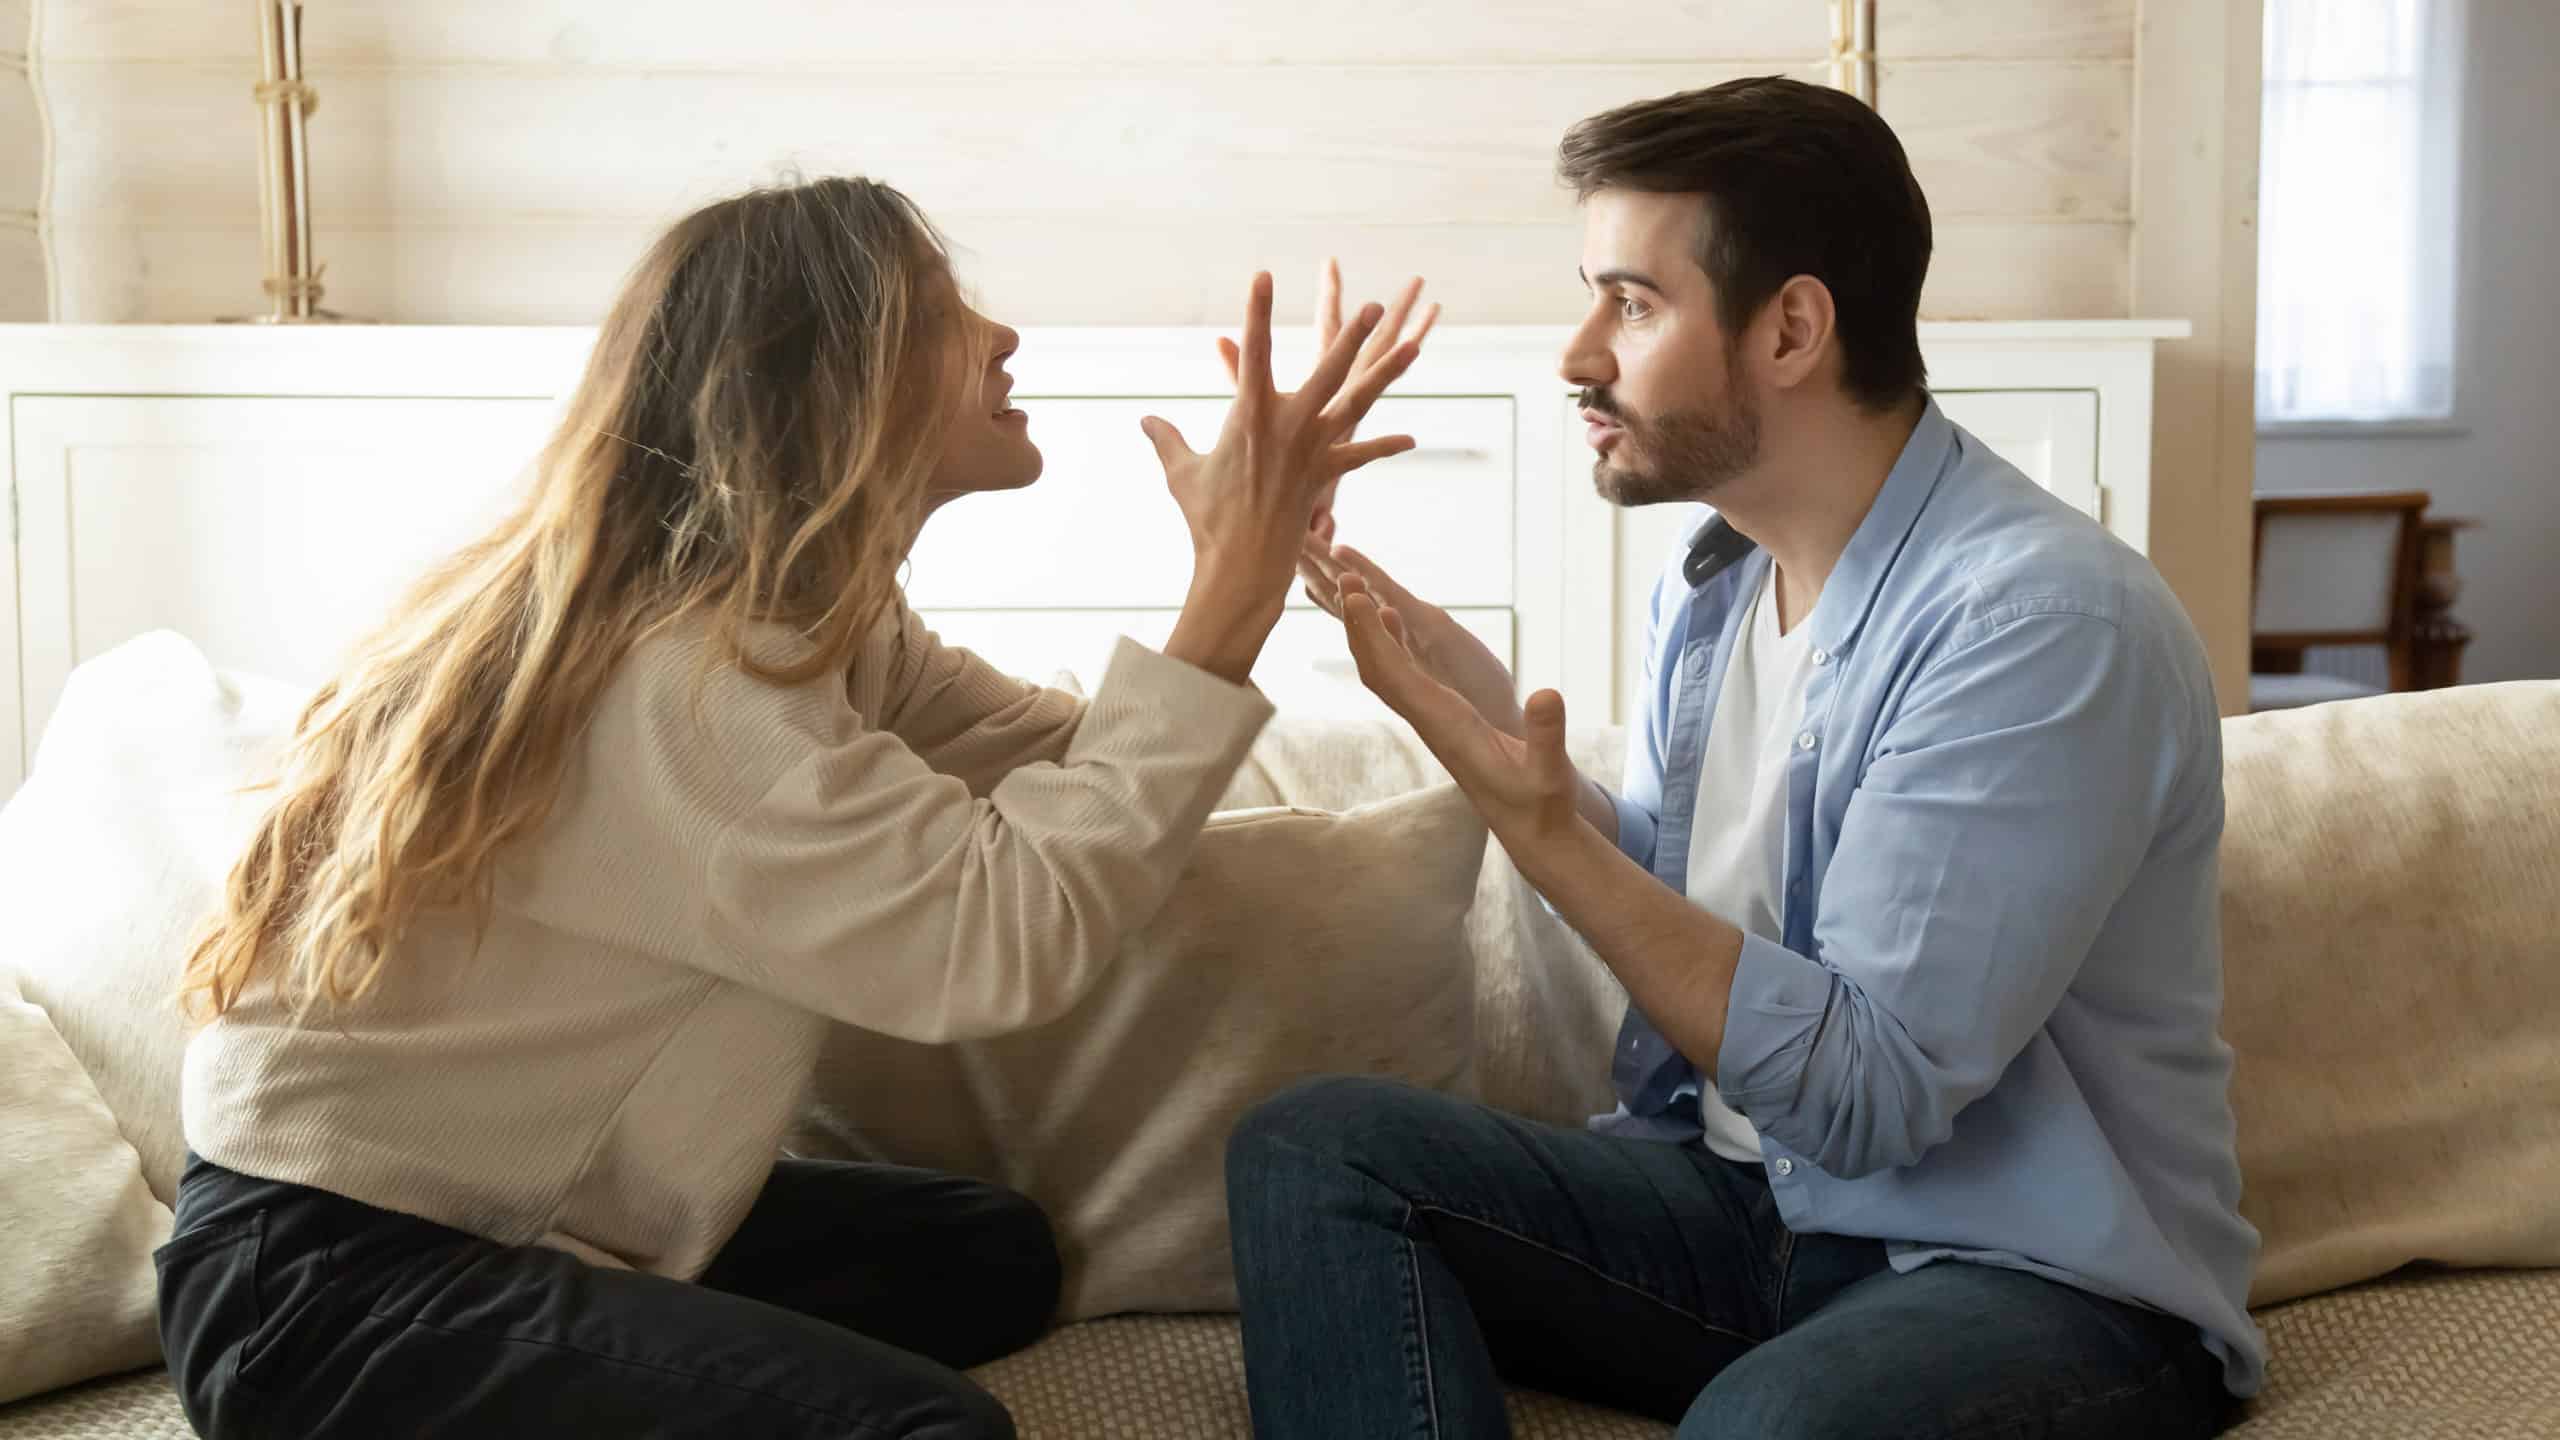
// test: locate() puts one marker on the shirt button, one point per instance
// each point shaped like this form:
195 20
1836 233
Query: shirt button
1805 741
1821 657
1697 664
1785 1168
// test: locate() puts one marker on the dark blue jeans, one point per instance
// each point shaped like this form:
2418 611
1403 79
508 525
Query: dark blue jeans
844 1306
1402 1254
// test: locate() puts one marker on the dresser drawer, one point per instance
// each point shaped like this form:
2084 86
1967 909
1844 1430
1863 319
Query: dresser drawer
1305 666
1099 532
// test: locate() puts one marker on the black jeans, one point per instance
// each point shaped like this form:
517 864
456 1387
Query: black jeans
845 1305
1401 1254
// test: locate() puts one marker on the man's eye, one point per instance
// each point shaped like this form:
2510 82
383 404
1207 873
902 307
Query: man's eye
1633 308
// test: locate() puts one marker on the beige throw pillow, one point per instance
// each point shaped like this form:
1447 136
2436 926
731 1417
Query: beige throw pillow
2391 954
1299 943
115 849
77 1293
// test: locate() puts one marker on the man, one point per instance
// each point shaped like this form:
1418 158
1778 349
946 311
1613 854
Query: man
1924 1125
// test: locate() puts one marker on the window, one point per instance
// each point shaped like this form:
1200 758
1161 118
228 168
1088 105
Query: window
2356 191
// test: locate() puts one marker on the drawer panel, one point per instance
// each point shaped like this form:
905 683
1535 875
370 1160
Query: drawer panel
1099 532
1305 666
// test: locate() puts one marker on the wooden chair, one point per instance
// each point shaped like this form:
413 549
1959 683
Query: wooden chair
2332 570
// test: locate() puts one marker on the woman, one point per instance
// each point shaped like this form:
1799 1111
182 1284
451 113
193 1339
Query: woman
519 980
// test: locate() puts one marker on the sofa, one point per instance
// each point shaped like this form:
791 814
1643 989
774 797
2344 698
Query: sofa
2391 905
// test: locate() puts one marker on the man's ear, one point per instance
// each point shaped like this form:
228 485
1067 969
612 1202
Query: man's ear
1802 318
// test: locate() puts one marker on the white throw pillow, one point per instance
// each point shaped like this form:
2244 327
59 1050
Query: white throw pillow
1298 943
77 1293
114 851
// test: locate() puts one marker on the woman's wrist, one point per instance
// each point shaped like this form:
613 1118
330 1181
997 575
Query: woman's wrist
1224 622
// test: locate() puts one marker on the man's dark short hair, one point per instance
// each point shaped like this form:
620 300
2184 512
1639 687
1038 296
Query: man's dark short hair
1796 179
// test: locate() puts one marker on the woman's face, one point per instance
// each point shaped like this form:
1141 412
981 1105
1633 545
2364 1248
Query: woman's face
989 446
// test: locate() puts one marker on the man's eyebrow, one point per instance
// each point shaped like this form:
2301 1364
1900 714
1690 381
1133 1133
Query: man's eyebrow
1624 277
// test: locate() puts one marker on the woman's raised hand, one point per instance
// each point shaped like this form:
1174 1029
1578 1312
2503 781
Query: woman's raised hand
1377 350
1249 499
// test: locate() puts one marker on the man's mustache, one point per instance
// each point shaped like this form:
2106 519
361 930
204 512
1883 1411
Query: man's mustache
1596 398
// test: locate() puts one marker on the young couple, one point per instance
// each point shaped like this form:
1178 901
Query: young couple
1922 1124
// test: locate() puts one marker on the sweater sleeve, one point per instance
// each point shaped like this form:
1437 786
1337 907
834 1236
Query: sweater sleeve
966 718
868 886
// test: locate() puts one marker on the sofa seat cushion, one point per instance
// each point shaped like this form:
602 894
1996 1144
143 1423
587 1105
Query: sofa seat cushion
2472 1354
1181 1377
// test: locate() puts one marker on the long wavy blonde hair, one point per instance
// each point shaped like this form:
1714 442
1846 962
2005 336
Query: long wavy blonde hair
750 445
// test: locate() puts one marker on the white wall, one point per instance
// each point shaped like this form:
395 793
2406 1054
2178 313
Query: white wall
2503 468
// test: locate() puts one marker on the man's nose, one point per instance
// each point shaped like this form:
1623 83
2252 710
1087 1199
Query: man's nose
1585 361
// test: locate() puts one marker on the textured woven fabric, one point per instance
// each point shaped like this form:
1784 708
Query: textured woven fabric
2474 1353
2469 1355
139 1406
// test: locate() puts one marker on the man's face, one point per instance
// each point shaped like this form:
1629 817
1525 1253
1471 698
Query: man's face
1671 418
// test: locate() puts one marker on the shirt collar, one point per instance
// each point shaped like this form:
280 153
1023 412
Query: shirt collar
1851 591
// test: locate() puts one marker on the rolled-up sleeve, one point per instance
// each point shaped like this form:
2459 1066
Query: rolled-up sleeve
2006 808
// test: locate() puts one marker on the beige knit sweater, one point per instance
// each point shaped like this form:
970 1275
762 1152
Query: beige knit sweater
933 851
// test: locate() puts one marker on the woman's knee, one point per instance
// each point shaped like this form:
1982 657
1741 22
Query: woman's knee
966 1412
1016 1251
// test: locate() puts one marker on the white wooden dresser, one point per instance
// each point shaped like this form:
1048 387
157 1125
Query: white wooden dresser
268 491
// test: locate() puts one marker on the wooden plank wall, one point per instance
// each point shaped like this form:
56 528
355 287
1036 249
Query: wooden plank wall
1128 162
23 291
2196 257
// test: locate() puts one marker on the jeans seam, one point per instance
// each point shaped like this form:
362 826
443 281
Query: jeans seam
1579 1263
856 1421
1786 1272
1430 1411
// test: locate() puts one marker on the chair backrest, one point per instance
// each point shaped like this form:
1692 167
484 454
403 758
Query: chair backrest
2335 569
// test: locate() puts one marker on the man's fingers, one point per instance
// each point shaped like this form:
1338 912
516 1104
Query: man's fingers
1542 725
1315 555
1320 584
1171 448
1372 575
1347 458
1231 357
1395 627
1384 666
1253 370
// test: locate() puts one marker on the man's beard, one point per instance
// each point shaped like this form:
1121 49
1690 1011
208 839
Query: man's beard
1684 455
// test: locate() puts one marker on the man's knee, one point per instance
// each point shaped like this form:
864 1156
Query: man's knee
1763 1397
1332 1120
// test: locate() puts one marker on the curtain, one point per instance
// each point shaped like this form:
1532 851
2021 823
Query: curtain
2357 163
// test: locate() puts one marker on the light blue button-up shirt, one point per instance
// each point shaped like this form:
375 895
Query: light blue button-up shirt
1989 1033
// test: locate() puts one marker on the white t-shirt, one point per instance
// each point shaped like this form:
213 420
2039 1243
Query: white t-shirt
1738 843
